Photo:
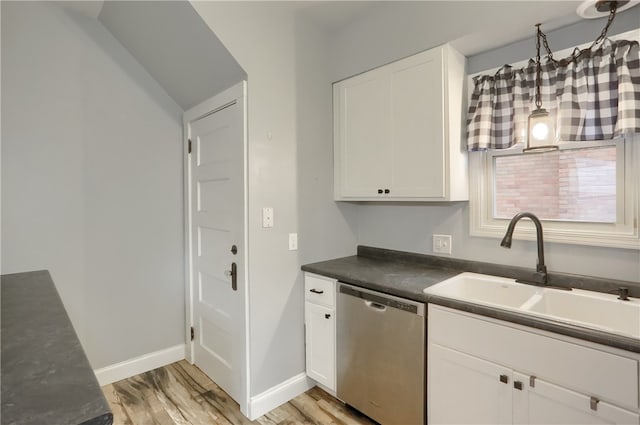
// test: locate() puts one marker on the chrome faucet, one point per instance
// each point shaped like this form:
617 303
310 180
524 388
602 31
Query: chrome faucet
540 276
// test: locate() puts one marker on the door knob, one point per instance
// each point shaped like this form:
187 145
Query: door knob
233 273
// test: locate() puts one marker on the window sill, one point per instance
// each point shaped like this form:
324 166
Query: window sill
623 234
526 231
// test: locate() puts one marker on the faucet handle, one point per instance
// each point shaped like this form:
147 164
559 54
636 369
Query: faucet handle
623 293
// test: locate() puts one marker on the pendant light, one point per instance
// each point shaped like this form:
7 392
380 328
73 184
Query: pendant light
541 131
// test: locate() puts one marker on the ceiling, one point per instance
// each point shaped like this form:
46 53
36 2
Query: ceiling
90 8
175 46
336 14
173 37
489 24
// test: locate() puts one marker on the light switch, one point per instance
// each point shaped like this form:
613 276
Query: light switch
293 241
267 217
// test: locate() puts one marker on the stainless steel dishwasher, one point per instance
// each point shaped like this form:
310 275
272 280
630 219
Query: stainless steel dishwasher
381 355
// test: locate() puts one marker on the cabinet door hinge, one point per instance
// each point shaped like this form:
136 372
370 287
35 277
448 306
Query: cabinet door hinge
189 149
193 333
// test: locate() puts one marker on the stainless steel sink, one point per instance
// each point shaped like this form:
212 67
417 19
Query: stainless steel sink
584 308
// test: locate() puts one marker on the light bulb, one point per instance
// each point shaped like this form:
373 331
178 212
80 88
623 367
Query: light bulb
540 131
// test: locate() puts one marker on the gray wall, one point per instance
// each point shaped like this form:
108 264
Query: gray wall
289 97
326 228
92 180
410 227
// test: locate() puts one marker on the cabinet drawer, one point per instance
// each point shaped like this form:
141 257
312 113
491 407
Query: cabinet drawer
591 371
319 289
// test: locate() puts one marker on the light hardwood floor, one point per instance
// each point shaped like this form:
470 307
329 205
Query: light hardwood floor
181 394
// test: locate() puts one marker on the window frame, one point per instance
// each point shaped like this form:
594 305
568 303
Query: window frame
622 234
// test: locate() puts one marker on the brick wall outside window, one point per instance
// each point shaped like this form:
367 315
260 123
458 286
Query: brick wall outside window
567 185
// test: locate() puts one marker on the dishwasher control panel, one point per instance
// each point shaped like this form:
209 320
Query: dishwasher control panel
383 299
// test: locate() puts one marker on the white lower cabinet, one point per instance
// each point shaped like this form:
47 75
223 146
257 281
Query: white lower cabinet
546 403
483 371
320 329
466 390
320 340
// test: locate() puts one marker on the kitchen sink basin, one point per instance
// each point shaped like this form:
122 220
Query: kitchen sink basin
589 308
485 289
578 307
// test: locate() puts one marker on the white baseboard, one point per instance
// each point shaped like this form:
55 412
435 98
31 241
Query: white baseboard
280 394
141 364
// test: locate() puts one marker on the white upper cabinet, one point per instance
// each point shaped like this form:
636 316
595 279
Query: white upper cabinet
397 131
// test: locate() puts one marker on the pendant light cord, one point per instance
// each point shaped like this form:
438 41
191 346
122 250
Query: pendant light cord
613 7
539 66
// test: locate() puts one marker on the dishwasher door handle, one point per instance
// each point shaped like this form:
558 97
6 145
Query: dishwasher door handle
375 306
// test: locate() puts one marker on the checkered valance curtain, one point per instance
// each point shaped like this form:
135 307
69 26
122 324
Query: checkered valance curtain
596 97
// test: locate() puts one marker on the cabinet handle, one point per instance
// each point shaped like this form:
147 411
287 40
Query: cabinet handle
327 316
517 385
532 381
316 291
504 379
379 190
387 191
594 403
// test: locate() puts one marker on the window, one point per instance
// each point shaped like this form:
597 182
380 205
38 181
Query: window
567 185
585 193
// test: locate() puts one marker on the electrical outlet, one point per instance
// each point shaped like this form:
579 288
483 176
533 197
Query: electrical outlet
442 244
293 241
267 217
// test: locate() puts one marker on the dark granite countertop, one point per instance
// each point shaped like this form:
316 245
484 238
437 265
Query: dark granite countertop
407 275
46 377
403 279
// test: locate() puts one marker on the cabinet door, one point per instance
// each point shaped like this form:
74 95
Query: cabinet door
466 390
362 136
320 344
546 403
418 126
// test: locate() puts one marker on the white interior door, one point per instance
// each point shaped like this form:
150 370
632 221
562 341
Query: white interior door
216 168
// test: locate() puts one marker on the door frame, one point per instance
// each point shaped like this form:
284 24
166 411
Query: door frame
238 93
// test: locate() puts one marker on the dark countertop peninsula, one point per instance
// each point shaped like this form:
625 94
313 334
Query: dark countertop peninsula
46 377
407 274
